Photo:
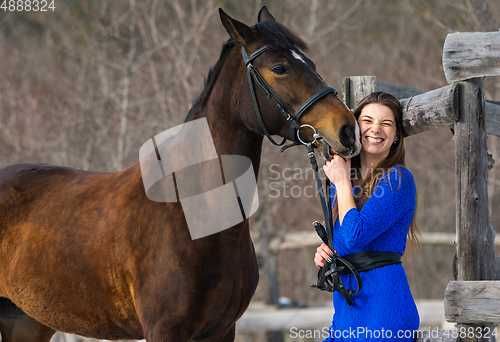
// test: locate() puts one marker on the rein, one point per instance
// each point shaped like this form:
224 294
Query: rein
328 276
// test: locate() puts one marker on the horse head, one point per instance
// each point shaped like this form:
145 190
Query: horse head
274 57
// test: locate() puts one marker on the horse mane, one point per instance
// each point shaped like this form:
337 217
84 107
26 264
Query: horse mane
213 74
280 36
273 33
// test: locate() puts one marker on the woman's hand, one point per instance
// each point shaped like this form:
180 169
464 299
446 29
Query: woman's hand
338 170
323 253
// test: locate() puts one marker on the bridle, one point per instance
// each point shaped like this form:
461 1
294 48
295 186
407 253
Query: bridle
328 276
285 109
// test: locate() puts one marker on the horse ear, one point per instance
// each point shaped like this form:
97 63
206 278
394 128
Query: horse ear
241 33
265 15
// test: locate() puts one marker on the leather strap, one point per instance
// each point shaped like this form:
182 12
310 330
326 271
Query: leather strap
312 100
328 275
285 109
366 261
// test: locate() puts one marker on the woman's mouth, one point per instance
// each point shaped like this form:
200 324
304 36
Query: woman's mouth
375 141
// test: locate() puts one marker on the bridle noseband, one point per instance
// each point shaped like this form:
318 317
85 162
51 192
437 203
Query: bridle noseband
285 109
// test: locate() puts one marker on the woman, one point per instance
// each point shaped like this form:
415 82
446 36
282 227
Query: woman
373 207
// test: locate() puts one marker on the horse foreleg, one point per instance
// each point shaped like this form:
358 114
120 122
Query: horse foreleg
16 326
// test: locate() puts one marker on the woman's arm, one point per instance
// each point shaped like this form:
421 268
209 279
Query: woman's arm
338 172
393 200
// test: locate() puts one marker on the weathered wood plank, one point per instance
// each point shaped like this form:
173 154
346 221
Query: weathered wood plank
310 238
423 111
363 85
471 54
399 90
475 249
475 236
493 117
355 88
430 110
472 301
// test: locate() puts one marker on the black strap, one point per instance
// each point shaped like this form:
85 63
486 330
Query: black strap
328 275
257 111
324 205
248 59
366 261
285 109
312 99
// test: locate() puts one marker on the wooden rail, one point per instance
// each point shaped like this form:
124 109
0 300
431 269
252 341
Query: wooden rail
472 301
310 238
468 55
422 111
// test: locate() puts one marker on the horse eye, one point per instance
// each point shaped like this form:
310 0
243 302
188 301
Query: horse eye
280 70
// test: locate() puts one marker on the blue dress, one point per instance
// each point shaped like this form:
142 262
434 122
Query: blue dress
384 309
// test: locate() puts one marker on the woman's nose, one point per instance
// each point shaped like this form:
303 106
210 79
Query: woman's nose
375 128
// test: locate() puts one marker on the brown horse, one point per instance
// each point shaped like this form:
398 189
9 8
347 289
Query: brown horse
88 253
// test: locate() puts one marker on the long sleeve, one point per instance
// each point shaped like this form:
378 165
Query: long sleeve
392 201
381 225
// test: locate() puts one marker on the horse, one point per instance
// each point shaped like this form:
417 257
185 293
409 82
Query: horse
88 253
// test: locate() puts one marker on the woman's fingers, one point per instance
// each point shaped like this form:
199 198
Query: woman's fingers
337 169
323 253
318 260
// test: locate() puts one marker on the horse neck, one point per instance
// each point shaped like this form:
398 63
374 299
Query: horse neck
231 136
225 115
231 132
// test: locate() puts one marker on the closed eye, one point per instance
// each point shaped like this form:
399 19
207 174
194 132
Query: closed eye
280 70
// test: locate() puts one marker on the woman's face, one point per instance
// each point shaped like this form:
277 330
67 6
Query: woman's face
378 130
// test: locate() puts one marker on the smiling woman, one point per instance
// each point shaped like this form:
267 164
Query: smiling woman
378 131
371 226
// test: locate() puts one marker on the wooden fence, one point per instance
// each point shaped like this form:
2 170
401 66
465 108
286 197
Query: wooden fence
473 301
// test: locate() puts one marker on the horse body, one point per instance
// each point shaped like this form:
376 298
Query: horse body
115 270
89 253
56 232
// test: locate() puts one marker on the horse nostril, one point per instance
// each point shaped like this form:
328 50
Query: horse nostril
347 135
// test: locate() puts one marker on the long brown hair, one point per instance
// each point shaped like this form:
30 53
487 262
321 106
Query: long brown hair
366 184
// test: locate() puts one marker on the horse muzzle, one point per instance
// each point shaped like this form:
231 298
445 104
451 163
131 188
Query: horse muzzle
347 146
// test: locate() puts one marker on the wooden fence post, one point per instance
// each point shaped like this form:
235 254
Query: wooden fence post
475 250
354 88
